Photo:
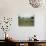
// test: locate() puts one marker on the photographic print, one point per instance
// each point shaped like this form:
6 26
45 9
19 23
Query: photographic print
26 21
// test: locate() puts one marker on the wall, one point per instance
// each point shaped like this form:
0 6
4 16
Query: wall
13 8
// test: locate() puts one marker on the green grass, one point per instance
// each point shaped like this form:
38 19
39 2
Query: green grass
25 21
